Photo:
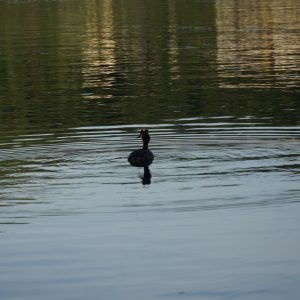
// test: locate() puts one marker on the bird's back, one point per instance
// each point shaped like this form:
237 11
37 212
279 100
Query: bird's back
141 158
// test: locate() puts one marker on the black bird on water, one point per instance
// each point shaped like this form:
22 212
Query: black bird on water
143 157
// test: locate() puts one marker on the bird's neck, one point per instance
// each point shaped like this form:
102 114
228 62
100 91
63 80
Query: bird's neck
146 140
145 144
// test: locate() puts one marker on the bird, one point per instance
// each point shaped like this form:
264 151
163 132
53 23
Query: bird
142 157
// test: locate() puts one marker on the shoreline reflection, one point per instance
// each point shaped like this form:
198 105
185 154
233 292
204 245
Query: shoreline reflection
253 50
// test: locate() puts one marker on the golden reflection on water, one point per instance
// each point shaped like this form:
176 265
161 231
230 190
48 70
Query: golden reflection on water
99 49
257 42
173 41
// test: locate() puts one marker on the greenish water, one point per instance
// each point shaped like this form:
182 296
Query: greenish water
217 84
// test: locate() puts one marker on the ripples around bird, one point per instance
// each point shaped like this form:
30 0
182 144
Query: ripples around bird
200 163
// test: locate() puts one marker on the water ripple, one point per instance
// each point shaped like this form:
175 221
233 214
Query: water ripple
199 165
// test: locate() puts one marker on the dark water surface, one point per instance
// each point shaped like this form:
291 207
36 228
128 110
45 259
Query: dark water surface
217 84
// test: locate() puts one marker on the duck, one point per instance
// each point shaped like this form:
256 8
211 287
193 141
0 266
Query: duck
142 157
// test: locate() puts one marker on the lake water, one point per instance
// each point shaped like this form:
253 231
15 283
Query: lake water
217 85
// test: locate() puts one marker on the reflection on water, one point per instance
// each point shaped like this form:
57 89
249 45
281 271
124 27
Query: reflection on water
146 178
107 63
216 82
99 51
257 43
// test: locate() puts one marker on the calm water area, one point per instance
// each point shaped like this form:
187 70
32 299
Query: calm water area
216 82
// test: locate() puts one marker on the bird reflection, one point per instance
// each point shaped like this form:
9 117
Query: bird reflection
143 157
146 178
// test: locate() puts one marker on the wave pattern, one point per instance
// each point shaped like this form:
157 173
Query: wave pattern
200 164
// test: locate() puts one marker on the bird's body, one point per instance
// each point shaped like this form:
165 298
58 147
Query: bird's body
142 157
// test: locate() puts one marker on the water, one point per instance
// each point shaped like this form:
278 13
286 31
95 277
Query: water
217 85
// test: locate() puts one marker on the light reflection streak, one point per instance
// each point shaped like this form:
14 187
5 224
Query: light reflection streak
173 47
257 40
99 51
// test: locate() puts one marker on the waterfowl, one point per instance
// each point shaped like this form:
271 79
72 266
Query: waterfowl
142 157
